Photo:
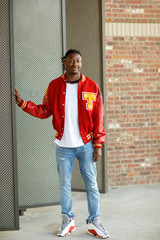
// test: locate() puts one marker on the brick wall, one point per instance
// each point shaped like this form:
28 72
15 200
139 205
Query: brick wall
140 11
133 95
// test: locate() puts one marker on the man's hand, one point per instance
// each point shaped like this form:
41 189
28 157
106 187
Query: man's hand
17 95
97 154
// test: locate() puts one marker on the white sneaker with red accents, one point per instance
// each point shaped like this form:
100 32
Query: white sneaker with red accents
67 226
96 228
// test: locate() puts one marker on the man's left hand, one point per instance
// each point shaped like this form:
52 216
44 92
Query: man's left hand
97 154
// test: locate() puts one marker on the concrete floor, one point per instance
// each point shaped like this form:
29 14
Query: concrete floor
128 213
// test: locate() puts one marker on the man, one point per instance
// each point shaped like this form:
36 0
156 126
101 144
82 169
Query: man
75 103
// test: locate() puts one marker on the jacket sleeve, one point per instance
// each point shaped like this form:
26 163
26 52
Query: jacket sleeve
99 134
40 111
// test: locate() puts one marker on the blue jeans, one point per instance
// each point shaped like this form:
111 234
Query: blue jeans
65 161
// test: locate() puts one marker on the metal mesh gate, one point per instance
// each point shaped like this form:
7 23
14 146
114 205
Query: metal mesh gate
37 56
8 183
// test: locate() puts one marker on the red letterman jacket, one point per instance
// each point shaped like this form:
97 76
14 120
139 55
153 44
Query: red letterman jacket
90 109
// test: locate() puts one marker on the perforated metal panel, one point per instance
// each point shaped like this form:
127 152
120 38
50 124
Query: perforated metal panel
37 54
8 199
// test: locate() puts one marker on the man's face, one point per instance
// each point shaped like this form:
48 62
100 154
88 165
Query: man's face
73 63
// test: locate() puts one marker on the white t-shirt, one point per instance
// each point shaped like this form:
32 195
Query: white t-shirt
71 136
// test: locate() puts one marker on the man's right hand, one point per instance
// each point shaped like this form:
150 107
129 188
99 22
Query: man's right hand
17 95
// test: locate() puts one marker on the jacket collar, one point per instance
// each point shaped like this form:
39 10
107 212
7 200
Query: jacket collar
83 77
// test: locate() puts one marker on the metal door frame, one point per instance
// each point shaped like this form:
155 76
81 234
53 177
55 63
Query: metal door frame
105 175
8 49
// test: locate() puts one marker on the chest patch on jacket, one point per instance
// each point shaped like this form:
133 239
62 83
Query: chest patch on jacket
89 97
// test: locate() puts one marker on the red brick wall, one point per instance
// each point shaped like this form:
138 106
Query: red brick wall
139 11
133 97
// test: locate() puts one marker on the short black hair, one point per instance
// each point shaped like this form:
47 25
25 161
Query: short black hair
70 51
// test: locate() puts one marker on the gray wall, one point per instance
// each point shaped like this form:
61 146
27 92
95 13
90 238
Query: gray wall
84 31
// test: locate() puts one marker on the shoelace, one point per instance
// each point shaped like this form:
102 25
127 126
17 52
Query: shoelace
101 227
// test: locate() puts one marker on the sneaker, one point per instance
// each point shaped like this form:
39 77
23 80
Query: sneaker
96 228
67 226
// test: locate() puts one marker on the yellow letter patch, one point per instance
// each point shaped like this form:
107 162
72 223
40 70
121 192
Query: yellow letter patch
90 97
